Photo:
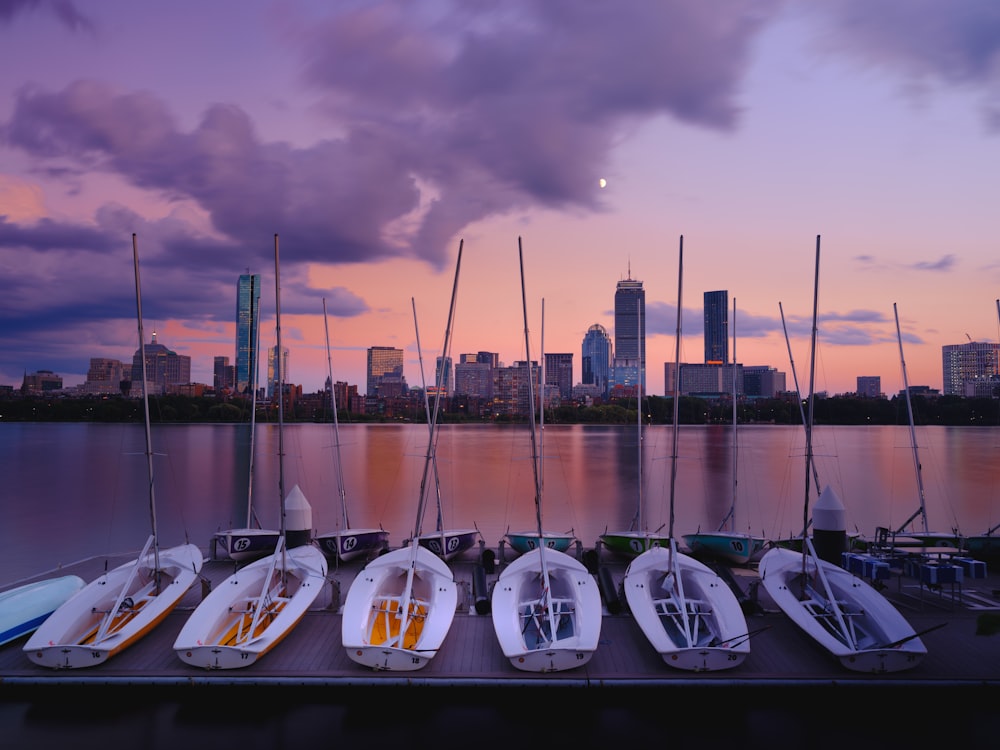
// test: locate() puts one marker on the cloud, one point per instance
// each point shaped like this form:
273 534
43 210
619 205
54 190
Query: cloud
441 121
928 43
64 10
946 263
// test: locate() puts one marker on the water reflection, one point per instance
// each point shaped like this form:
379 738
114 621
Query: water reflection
75 490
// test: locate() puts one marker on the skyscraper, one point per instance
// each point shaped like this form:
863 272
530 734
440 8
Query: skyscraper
247 325
385 367
869 386
474 375
274 373
222 374
630 333
717 328
596 358
164 367
970 369
559 373
442 377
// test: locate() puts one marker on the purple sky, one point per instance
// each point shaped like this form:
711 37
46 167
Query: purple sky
373 137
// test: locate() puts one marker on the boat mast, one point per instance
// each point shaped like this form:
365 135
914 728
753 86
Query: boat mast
145 403
422 504
677 386
812 380
795 378
989 532
638 522
432 435
254 348
531 424
541 412
341 489
731 516
922 510
279 382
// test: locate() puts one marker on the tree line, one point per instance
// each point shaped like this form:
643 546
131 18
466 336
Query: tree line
833 410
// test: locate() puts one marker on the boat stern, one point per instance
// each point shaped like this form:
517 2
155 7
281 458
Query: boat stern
68 656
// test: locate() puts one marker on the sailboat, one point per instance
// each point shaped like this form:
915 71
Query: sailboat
546 606
795 542
248 614
252 541
986 546
24 608
838 610
737 547
114 611
637 538
400 607
525 541
923 535
687 612
443 542
345 543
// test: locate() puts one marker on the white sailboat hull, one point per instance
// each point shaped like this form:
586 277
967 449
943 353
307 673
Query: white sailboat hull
373 632
24 608
524 632
688 614
114 611
220 633
875 623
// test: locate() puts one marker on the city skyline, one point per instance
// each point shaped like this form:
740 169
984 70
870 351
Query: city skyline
374 138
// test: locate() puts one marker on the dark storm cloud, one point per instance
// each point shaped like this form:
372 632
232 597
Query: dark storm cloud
519 104
491 117
64 10
330 201
80 274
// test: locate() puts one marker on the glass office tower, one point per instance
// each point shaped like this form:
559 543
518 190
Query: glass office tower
384 371
247 333
717 328
596 358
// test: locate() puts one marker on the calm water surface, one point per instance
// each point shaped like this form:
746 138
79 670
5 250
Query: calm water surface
76 490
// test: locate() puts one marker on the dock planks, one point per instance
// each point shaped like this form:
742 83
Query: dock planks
312 653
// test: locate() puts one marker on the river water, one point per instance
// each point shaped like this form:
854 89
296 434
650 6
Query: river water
76 490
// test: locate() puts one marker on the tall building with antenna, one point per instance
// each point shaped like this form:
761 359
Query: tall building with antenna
630 333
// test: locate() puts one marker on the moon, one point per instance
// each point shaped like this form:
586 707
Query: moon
602 183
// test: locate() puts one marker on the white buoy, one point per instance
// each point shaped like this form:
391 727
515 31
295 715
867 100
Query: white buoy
298 518
829 526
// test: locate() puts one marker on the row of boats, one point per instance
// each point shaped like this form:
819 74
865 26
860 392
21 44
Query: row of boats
546 605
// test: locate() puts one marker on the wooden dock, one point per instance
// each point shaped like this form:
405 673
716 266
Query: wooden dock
959 653
308 690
